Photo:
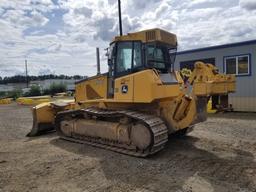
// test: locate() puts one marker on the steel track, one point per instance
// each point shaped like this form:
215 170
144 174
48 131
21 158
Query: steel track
158 130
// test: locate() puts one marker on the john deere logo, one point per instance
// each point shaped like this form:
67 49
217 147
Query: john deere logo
124 89
185 72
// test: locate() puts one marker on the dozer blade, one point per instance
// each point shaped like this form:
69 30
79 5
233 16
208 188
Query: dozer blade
44 116
39 128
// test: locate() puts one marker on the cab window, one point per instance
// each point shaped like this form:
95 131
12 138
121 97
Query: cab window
156 57
129 57
124 57
137 61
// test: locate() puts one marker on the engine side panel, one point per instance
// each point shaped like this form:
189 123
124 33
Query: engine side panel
92 88
144 87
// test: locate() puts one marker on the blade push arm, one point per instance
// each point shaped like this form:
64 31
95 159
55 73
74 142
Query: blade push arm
206 81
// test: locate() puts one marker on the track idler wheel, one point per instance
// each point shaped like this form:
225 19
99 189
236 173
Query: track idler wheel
141 136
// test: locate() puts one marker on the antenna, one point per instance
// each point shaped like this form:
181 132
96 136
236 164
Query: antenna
120 18
98 60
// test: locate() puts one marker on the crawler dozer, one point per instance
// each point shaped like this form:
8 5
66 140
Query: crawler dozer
134 107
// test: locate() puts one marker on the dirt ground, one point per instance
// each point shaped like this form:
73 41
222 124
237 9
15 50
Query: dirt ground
219 155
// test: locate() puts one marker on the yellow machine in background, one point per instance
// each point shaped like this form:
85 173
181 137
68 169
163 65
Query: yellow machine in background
135 106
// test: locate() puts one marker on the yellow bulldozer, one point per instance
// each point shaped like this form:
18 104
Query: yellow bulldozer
134 107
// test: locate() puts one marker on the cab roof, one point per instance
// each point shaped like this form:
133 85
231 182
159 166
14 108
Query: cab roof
150 35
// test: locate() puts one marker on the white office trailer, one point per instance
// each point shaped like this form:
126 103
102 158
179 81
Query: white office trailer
236 58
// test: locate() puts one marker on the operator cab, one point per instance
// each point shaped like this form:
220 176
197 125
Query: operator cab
142 50
150 49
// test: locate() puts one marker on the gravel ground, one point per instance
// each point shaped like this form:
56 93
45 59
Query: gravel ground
219 155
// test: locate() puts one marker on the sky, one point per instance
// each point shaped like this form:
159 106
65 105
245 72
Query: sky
60 36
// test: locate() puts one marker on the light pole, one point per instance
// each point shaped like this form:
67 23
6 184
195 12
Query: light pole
26 68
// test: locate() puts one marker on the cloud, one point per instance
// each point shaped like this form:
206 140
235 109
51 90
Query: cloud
61 36
54 47
142 4
28 5
200 4
83 11
248 4
45 71
19 18
1 11
37 19
105 28
162 9
44 2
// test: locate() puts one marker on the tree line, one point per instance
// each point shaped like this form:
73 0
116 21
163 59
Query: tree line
35 90
23 79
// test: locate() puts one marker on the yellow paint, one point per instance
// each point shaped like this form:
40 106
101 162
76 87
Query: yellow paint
145 91
186 72
209 107
84 89
5 101
45 112
144 87
171 103
122 83
151 35
207 81
31 101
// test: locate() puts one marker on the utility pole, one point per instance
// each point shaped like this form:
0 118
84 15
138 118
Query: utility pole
120 18
26 68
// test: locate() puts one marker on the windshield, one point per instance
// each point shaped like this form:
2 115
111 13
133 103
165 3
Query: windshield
160 57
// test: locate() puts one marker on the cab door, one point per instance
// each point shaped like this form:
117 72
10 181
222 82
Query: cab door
128 61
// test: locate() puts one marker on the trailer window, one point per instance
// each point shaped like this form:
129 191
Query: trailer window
243 66
237 65
231 65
